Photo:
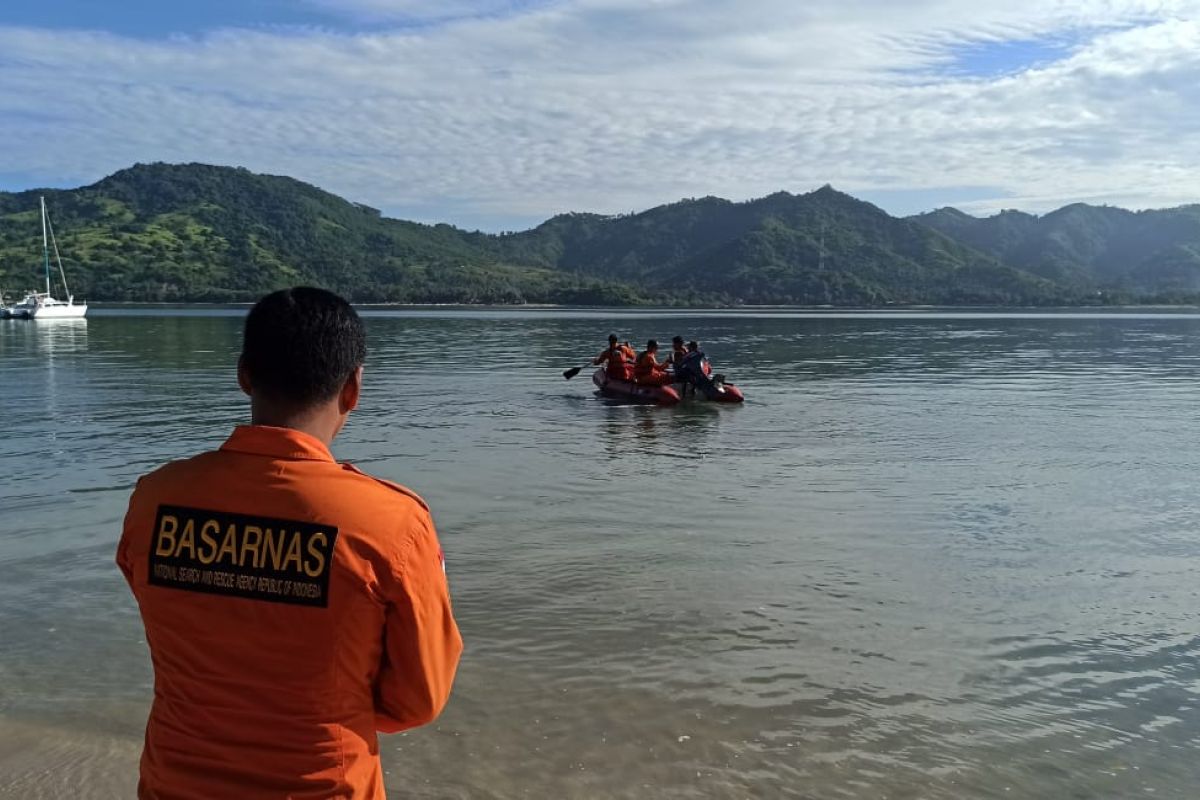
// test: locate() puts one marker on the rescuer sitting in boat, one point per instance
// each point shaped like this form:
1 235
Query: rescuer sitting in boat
694 370
647 371
678 353
617 359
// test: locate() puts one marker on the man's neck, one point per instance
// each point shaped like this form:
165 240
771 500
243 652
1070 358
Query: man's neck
319 423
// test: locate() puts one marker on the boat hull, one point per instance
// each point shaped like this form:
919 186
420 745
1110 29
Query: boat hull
723 393
64 311
635 392
665 395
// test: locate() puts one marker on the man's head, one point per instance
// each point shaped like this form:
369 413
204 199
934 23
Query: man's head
692 346
652 346
677 342
302 356
612 340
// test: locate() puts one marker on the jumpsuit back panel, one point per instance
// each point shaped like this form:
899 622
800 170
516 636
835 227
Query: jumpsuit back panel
266 574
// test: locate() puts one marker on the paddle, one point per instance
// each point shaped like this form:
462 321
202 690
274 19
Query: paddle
572 372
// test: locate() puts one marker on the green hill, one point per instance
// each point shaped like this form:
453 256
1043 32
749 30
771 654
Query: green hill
824 247
1152 254
197 232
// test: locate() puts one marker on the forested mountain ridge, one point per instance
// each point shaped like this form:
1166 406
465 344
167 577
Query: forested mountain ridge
824 247
1097 248
200 232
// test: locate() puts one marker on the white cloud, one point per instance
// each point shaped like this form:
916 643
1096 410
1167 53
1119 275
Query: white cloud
615 105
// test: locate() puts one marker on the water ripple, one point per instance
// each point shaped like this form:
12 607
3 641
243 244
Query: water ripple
932 556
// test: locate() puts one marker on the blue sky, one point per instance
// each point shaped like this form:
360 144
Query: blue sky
147 19
989 59
497 114
159 18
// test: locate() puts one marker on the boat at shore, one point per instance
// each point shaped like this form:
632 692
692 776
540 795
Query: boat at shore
43 305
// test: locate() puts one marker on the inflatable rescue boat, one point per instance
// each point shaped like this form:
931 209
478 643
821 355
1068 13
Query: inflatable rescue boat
718 392
635 392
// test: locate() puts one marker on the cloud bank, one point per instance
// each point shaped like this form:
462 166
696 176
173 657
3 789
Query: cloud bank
506 113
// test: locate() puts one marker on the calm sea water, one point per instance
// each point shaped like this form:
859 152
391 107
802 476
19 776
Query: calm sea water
933 555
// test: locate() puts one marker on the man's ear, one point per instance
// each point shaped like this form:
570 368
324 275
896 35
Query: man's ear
244 377
351 389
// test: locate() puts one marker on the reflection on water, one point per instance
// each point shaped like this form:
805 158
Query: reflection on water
934 556
640 430
54 336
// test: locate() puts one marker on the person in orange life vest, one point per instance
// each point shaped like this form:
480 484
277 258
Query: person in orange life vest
617 359
293 606
647 370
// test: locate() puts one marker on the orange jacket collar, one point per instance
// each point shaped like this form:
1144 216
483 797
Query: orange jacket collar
264 440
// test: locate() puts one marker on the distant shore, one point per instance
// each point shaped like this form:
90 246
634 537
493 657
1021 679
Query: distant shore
899 309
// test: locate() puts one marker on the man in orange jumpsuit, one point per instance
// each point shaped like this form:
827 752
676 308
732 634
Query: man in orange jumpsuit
293 605
647 370
618 359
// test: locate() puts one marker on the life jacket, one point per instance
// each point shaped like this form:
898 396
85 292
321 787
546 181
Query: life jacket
647 366
694 365
617 366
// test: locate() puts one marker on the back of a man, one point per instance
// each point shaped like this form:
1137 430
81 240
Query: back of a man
293 606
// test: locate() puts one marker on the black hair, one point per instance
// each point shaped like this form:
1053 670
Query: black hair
300 345
692 345
612 337
652 344
677 340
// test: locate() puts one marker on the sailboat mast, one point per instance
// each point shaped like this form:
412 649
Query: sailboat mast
45 246
61 273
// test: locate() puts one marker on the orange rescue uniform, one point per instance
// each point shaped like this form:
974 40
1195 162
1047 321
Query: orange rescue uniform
616 360
293 606
648 371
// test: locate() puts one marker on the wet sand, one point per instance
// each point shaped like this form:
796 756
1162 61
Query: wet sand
43 761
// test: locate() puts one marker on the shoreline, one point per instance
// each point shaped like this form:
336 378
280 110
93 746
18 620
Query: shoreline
899 309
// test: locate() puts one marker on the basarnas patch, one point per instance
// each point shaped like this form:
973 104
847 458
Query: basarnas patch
240 555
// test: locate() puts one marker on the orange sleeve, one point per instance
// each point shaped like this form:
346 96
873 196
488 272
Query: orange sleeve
421 640
124 561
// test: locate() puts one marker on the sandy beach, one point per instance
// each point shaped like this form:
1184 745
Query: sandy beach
44 761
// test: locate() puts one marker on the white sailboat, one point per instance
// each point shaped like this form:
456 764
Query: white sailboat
43 305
